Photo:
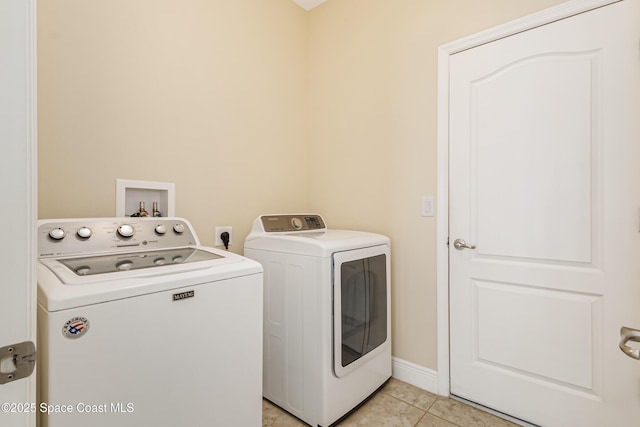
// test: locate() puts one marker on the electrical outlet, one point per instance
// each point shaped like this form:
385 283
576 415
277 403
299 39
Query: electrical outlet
219 231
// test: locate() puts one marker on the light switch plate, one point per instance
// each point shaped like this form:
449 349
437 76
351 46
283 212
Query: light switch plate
427 206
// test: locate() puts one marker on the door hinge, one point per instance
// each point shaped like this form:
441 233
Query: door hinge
17 361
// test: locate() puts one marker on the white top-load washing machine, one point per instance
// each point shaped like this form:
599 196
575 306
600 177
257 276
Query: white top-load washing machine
327 327
139 325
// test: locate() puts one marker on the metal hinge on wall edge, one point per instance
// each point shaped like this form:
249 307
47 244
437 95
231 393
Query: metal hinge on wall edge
17 361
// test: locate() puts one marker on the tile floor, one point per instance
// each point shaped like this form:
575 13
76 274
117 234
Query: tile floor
399 404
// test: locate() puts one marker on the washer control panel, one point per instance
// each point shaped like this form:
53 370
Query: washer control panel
292 223
63 237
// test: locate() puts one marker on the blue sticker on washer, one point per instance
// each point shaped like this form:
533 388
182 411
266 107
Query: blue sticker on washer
75 327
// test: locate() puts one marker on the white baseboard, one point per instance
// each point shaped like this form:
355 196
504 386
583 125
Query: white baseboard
416 375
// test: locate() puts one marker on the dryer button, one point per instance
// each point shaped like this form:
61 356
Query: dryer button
296 223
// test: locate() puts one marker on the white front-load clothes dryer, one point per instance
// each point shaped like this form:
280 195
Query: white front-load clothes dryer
327 327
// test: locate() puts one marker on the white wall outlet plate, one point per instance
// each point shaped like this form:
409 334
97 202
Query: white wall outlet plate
219 231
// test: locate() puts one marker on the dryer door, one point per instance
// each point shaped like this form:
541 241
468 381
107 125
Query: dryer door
361 306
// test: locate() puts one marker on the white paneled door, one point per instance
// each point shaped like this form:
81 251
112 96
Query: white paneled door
544 165
18 214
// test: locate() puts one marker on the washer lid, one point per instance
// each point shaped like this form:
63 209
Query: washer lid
100 264
60 288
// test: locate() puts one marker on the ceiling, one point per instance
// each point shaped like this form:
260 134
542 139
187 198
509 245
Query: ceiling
308 4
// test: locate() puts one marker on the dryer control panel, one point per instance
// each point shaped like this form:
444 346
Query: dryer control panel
292 223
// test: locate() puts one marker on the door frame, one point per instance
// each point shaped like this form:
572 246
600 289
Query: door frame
21 51
543 17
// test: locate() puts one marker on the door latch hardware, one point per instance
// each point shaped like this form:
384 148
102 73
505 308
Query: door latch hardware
460 244
626 335
17 361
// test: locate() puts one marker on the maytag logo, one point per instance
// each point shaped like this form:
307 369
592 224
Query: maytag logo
184 295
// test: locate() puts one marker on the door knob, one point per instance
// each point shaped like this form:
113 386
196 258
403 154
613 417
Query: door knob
626 335
460 244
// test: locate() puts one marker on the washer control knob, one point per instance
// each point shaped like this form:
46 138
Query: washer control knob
296 223
178 228
125 265
57 233
161 229
126 230
83 270
84 232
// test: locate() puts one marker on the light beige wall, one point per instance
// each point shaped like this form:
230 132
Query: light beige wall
254 106
207 94
373 81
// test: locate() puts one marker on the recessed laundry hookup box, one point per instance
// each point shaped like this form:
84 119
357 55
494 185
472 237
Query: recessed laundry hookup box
130 193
